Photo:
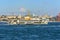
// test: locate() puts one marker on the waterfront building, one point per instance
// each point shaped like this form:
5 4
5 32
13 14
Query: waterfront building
11 16
58 17
19 16
27 18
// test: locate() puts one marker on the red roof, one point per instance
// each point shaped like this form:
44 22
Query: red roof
58 15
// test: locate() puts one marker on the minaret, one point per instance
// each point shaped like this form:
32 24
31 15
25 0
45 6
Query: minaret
28 13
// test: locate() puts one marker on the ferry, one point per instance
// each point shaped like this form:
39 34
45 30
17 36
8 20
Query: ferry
29 23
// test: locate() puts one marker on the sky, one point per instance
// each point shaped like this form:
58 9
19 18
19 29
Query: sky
38 7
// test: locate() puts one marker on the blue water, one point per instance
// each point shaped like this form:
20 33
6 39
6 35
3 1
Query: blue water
29 32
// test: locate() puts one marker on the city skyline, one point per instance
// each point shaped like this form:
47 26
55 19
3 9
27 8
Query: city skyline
39 7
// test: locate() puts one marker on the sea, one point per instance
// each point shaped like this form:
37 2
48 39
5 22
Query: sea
30 32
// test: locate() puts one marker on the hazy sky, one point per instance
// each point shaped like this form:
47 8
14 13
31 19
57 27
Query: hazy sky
39 7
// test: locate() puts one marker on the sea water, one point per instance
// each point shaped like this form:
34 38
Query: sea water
29 32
